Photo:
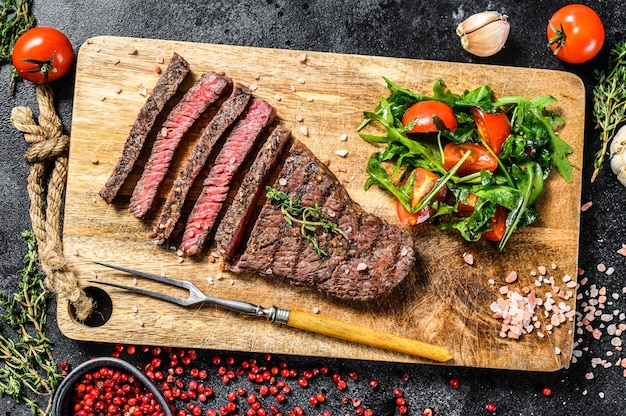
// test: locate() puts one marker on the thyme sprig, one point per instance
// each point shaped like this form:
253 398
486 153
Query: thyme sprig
15 19
28 366
609 101
308 217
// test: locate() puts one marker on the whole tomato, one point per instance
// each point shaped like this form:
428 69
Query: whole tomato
42 54
575 33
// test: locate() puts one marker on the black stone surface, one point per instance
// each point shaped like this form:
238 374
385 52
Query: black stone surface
410 29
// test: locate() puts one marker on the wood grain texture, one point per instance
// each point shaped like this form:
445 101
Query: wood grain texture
444 302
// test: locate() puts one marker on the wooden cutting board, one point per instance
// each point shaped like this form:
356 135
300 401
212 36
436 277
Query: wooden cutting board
445 302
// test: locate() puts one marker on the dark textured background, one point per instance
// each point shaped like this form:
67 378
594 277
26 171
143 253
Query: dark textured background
410 29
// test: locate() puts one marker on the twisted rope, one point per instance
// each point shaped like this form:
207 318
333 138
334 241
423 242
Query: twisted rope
49 149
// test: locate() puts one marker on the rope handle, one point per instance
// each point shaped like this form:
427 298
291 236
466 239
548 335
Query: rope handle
48 150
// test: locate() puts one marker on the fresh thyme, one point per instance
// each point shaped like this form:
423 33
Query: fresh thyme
15 19
309 217
609 101
27 365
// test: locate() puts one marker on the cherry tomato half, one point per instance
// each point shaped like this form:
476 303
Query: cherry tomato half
467 208
422 113
575 33
494 128
42 54
424 182
498 225
479 158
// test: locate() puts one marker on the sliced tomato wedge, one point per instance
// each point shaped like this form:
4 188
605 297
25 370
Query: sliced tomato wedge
479 158
498 225
494 128
424 183
422 113
466 209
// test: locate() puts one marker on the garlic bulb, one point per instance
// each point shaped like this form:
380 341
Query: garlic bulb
618 155
483 34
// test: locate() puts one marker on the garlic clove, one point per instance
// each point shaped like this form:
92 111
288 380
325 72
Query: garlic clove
476 21
484 34
618 155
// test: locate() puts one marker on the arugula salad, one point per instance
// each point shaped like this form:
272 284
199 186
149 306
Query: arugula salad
468 162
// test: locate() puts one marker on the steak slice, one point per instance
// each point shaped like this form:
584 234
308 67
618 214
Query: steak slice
165 88
239 142
208 89
232 226
224 118
368 258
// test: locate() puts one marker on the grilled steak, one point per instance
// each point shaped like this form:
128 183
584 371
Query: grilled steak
166 87
224 118
215 189
368 258
200 96
232 226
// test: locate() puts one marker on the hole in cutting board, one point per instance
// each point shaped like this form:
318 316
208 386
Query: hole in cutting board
103 307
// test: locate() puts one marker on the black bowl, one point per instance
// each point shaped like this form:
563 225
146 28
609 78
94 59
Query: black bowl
62 402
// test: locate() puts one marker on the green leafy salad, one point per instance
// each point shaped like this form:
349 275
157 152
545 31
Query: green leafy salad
468 162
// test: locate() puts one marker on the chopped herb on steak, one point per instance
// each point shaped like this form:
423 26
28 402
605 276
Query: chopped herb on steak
166 87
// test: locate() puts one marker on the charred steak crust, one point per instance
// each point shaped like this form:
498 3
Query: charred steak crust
224 118
165 88
208 89
368 259
232 226
239 143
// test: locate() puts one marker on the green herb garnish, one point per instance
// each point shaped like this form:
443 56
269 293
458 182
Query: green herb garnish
309 217
609 101
28 367
15 19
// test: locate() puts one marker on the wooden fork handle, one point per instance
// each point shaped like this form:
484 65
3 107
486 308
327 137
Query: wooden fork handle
362 335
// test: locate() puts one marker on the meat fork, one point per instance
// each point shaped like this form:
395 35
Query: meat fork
296 319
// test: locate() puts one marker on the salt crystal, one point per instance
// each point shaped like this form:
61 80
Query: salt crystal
343 137
361 266
542 270
512 277
277 97
468 258
304 130
302 58
341 152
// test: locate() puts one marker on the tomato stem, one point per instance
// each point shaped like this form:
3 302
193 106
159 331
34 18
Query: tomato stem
42 66
558 39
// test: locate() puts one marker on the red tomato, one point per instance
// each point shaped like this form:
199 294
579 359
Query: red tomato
575 33
423 111
498 225
478 159
424 182
42 54
466 209
494 128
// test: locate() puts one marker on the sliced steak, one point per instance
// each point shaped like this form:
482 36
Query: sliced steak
208 89
232 226
235 150
368 258
230 110
165 88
